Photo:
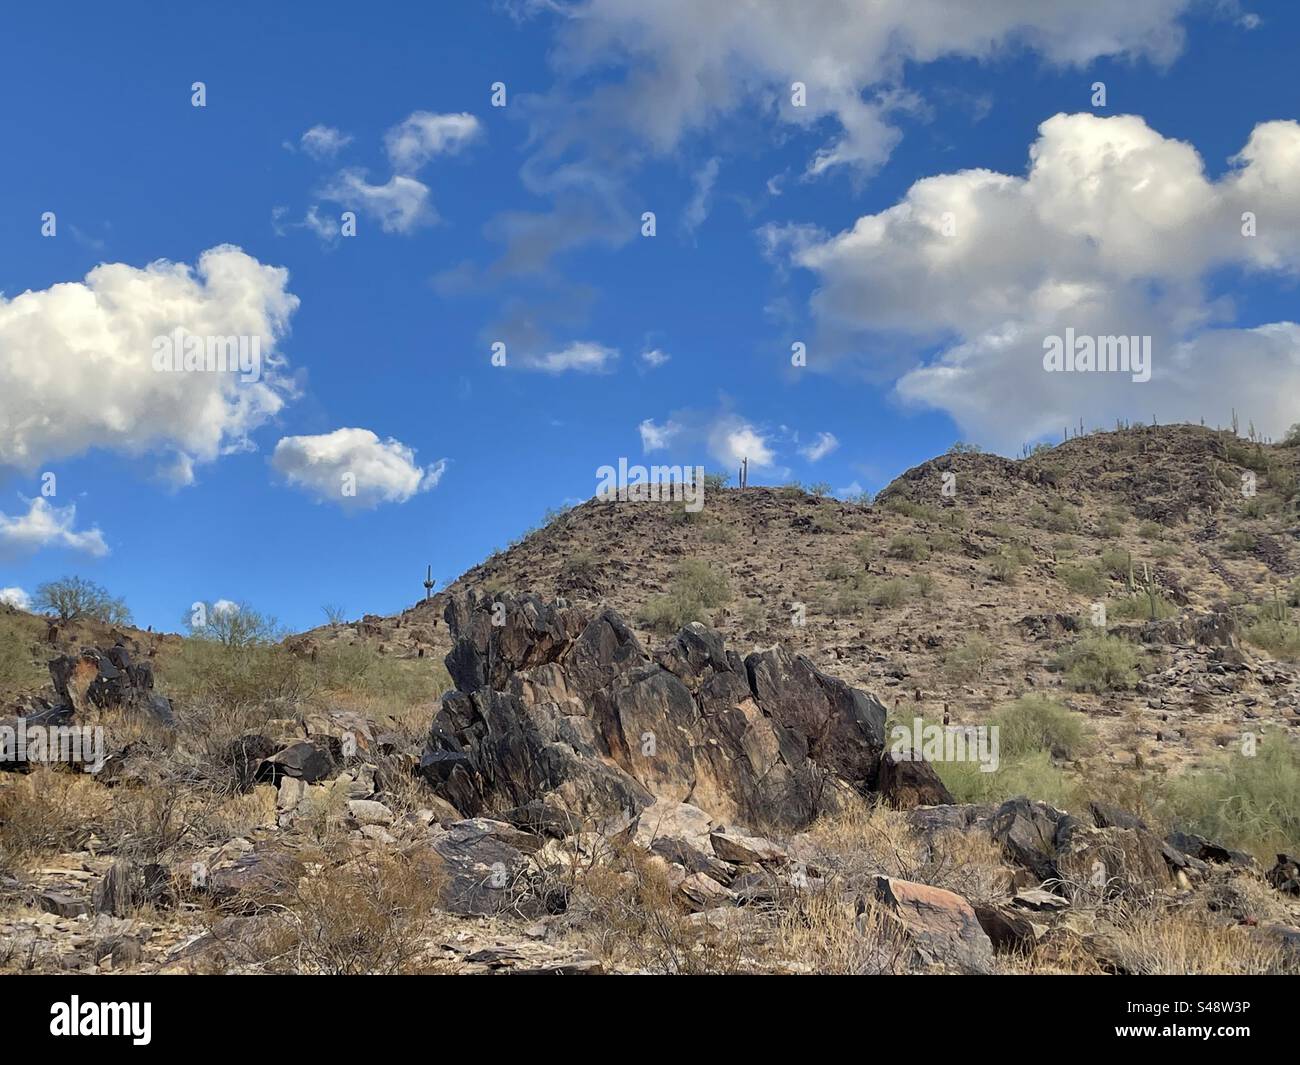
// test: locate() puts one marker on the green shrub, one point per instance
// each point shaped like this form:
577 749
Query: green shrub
18 670
1240 542
1056 516
887 594
1101 663
969 661
1033 775
698 588
944 541
1036 723
1117 562
1151 530
1083 579
1279 638
1142 607
915 511
909 547
1248 803
864 548
1005 565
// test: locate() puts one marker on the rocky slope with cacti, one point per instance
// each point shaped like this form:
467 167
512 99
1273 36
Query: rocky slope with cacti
677 742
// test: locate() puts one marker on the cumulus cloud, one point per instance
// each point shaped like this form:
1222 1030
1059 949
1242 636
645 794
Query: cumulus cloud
422 135
654 358
582 356
45 525
354 468
687 65
1115 231
76 361
731 440
401 204
657 437
820 448
324 142
16 597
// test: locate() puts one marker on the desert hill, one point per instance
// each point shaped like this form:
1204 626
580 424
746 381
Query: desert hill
647 740
899 596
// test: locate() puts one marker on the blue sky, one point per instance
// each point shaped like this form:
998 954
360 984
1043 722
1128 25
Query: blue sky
522 224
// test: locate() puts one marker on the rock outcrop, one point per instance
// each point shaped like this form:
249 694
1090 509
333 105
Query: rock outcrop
554 707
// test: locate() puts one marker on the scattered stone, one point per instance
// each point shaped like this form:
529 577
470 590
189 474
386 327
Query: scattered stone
941 927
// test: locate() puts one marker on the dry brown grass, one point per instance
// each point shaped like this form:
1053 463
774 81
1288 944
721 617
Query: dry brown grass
372 913
49 810
1163 939
625 913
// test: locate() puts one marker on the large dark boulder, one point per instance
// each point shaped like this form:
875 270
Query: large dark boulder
910 782
570 717
108 680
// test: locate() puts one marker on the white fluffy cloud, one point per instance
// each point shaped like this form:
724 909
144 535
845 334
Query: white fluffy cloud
76 361
354 468
657 437
820 448
688 64
401 204
16 597
582 356
1115 231
654 358
731 440
422 135
324 142
45 525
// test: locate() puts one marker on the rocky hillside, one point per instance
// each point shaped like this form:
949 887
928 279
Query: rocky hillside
956 603
644 740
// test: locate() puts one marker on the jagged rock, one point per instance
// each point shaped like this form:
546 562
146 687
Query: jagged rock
703 892
369 812
540 819
61 904
1285 875
253 880
672 820
108 680
483 875
551 707
746 850
1039 901
308 760
1009 930
128 885
1027 832
940 927
1207 851
1107 862
842 728
910 782
1106 816
679 852
929 821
